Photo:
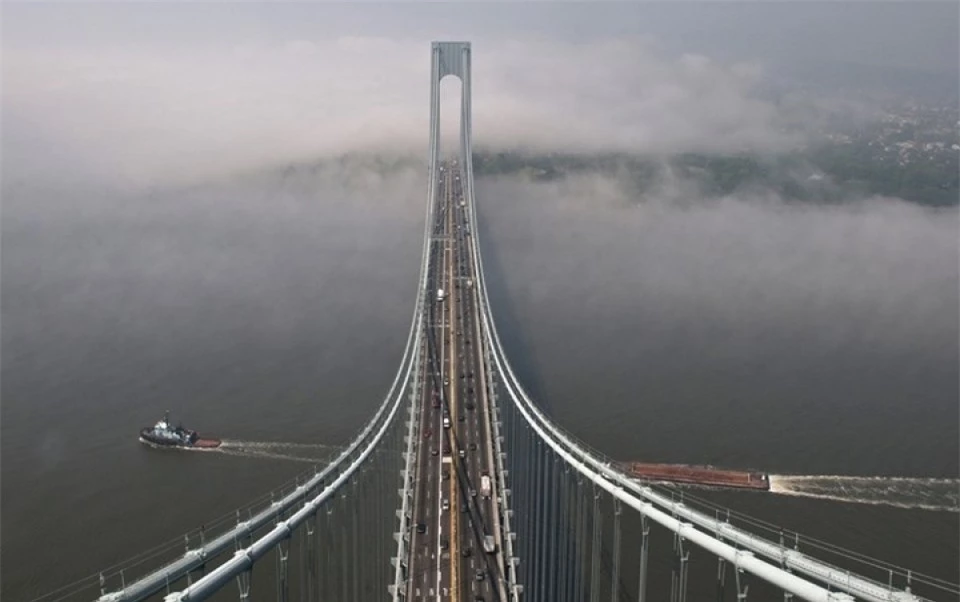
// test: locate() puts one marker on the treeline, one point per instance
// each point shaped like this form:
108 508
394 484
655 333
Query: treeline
828 173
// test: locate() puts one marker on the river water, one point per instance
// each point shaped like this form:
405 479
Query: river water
272 311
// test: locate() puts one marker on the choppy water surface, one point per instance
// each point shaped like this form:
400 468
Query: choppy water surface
272 313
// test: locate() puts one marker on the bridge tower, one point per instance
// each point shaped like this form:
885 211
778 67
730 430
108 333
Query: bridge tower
448 58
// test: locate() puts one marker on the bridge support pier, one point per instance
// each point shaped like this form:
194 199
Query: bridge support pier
309 572
566 511
595 548
552 525
355 538
787 596
644 555
581 537
344 564
615 577
742 586
542 519
721 579
243 584
678 579
283 565
326 533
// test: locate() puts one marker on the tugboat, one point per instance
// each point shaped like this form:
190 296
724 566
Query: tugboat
163 435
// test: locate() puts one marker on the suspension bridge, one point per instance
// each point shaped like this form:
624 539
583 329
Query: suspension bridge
461 488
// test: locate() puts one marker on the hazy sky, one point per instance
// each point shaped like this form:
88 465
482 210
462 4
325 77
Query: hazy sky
919 34
150 93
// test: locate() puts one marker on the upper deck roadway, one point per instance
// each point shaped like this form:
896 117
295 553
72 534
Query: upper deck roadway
451 516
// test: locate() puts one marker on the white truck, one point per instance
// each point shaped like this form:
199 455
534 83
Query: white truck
489 545
440 294
485 485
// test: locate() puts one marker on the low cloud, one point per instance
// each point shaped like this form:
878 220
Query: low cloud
144 116
870 274
257 251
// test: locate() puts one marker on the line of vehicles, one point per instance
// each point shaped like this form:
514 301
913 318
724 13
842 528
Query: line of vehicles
478 478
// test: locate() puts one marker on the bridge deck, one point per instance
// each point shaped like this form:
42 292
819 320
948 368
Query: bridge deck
447 559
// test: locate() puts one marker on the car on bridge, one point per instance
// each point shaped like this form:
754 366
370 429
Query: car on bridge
421 528
485 485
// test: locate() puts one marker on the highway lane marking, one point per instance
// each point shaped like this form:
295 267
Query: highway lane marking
454 512
443 321
483 395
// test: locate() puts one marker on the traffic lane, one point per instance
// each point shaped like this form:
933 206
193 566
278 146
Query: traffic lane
488 563
428 560
468 432
428 501
485 508
427 505
419 565
452 310
442 582
479 559
477 508
465 478
428 424
435 525
423 504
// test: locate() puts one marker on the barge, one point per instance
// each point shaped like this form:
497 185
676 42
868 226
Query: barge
709 476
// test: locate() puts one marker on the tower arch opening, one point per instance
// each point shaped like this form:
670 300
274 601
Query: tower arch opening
449 58
451 94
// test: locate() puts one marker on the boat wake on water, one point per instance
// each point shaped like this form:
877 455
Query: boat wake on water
275 445
267 455
311 453
941 495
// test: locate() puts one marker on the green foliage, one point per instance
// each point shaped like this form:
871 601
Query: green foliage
828 173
